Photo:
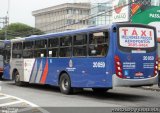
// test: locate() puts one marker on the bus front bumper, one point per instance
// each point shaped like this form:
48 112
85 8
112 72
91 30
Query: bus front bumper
134 82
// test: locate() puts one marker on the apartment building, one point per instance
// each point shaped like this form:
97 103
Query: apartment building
67 16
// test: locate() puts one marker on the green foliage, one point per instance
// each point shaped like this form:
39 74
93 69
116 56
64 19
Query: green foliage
19 30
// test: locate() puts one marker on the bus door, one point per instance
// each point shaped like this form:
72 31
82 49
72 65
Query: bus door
135 56
7 51
98 52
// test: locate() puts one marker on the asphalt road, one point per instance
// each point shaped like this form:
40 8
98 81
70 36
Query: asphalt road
48 96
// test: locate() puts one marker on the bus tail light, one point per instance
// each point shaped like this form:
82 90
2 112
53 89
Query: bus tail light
118 67
158 64
156 67
1 70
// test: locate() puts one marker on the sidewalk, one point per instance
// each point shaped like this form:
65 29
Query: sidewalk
153 88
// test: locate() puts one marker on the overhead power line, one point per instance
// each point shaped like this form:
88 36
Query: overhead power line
92 16
87 17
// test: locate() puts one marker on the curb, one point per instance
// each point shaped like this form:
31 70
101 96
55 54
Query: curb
151 88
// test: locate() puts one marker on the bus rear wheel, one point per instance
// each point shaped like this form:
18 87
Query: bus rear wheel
65 84
17 79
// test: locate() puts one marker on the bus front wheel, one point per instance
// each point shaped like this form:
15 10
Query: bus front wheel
65 84
17 79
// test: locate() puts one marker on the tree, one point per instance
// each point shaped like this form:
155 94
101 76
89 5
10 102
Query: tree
19 30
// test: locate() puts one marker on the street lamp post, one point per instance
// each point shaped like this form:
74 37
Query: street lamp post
7 20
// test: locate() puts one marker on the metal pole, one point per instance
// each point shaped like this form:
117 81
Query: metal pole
7 20
6 26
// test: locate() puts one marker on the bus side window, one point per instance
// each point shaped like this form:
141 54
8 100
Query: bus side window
66 41
98 44
28 49
40 49
17 50
80 45
65 46
53 47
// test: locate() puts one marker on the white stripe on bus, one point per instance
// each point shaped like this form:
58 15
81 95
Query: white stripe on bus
34 72
39 74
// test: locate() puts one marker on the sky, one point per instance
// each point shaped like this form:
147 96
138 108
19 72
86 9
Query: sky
21 10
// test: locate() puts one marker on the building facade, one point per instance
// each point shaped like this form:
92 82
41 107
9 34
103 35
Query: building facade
103 12
62 17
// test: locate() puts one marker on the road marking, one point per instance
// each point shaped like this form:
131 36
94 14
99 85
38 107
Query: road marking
25 109
10 103
19 100
5 97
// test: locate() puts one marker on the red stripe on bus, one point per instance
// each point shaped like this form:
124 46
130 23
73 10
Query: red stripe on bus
44 75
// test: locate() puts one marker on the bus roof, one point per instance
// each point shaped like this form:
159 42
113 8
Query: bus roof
3 42
70 32
18 39
7 41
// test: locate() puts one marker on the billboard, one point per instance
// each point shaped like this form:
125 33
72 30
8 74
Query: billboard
120 11
146 15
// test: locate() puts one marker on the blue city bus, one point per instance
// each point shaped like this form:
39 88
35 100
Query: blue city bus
101 57
158 45
1 57
6 59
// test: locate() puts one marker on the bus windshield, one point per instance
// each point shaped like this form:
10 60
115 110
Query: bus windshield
136 38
